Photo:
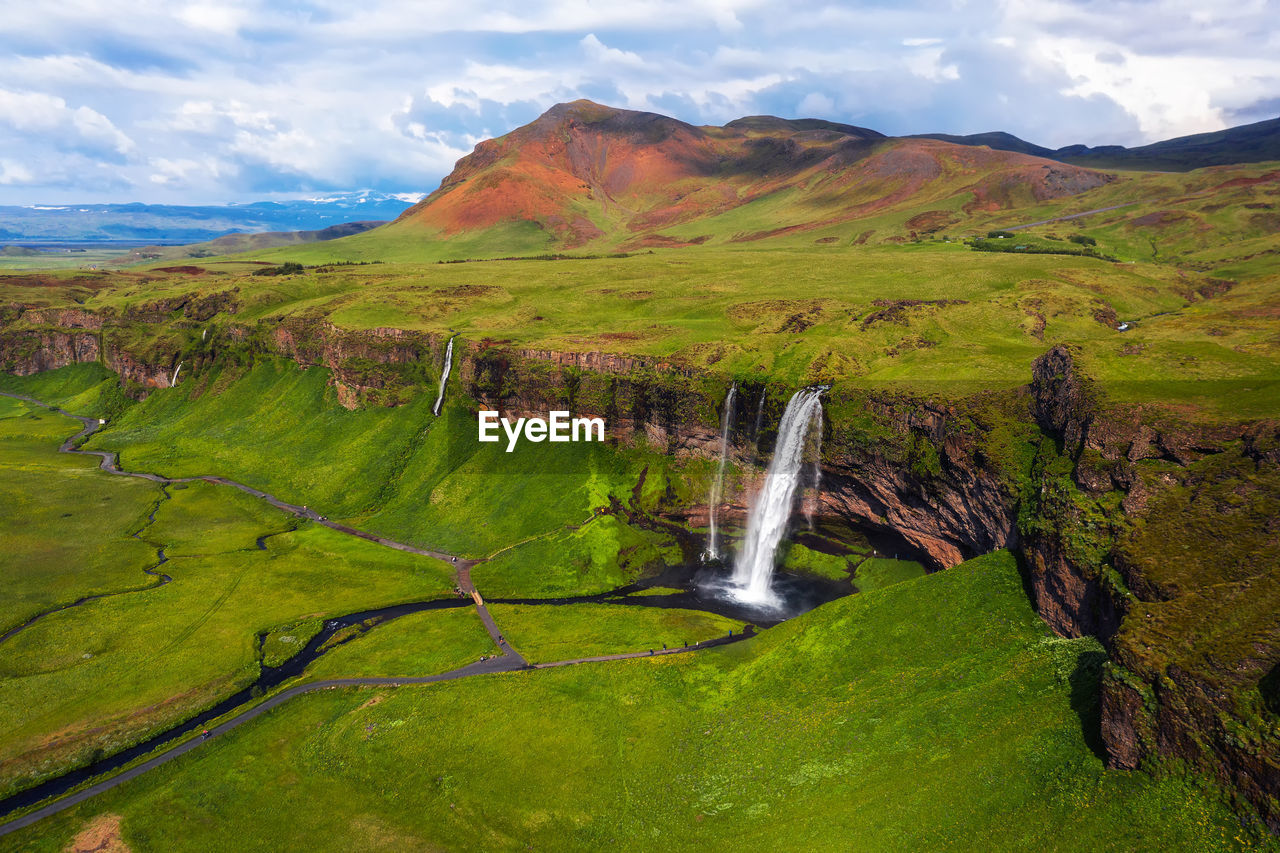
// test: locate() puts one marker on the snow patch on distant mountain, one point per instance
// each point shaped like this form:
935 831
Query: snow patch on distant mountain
163 223
366 197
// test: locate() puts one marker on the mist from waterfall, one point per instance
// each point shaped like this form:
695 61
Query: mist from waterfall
444 377
771 510
717 485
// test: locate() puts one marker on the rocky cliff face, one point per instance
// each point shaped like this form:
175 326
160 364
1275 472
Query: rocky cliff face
35 351
144 376
62 318
949 514
1184 585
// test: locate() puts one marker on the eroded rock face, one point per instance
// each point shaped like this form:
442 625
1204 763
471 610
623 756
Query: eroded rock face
148 376
63 318
949 518
1070 598
1190 617
35 351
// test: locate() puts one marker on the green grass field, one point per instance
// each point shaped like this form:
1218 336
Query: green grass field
935 317
89 259
601 555
425 643
99 676
814 735
66 526
545 633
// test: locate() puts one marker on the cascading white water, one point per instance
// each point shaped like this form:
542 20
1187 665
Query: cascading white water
771 511
174 380
444 377
717 485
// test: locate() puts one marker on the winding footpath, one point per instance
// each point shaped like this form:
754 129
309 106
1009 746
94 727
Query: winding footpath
1070 216
504 663
508 661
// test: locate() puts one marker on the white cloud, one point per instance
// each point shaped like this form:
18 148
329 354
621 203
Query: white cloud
816 104
219 99
220 18
183 173
12 173
49 116
597 51
1175 65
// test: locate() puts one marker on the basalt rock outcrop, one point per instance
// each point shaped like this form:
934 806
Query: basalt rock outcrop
35 350
949 510
1184 584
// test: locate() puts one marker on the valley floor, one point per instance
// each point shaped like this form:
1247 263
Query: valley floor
929 712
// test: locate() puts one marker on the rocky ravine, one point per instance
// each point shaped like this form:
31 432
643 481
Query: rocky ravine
1101 475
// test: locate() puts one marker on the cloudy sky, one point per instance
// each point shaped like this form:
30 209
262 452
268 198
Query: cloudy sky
198 102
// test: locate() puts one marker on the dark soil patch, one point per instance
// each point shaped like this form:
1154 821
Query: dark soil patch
895 310
184 270
931 221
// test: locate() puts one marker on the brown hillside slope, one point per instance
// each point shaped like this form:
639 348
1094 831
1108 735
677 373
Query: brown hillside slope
587 173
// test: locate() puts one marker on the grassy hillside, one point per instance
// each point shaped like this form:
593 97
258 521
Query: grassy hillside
400 471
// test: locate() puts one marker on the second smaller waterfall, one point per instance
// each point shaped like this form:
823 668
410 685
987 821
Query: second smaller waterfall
717 485
444 377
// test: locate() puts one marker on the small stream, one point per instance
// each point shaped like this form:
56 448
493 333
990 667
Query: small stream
700 588
270 677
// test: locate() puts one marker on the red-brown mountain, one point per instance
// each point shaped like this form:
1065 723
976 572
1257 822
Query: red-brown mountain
591 174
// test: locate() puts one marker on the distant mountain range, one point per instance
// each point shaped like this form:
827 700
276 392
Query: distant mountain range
163 223
234 244
1249 143
583 170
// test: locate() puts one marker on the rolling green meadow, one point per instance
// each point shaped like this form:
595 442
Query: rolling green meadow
94 677
816 734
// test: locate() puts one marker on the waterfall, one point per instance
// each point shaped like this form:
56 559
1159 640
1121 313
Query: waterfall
174 380
717 485
444 377
771 510
755 432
